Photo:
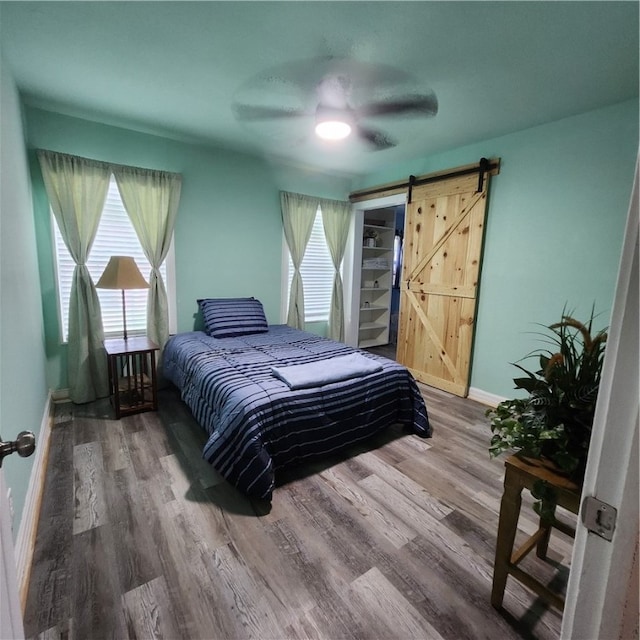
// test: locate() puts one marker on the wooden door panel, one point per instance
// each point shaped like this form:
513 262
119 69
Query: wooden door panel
449 227
436 340
448 187
444 230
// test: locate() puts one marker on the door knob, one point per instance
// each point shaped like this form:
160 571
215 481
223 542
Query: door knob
24 445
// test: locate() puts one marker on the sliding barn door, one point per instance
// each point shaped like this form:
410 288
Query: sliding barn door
444 229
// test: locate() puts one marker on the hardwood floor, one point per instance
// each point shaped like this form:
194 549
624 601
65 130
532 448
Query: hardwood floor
140 538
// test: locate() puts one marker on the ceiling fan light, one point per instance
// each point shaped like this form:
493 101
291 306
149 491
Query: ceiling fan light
333 129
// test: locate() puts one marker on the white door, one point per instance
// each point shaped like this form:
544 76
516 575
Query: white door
11 626
601 602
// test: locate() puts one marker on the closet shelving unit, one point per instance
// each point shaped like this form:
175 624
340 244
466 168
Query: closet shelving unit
376 268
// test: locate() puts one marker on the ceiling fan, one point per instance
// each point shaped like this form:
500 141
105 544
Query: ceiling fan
338 96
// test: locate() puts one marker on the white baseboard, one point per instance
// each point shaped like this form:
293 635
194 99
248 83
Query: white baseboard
484 397
60 395
25 540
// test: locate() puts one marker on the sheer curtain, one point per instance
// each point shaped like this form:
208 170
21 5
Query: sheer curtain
298 214
335 220
151 199
77 189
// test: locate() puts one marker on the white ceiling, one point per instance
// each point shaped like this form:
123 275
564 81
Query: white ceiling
175 68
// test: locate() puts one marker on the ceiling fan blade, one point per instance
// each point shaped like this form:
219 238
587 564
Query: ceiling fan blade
251 112
425 104
306 74
378 140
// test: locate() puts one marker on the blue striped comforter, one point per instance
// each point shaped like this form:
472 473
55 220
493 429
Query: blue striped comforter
257 424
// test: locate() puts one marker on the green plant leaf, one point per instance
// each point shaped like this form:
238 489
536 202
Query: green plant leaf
529 384
556 418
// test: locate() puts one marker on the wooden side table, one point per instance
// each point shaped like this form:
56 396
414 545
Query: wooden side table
133 384
521 473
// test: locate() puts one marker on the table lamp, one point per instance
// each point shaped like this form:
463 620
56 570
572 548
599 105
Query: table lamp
122 273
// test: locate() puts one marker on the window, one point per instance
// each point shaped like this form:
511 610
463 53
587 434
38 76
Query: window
317 274
115 236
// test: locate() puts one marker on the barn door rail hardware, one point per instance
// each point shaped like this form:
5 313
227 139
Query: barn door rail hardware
412 181
483 168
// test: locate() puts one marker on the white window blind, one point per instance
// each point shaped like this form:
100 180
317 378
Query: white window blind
115 237
317 274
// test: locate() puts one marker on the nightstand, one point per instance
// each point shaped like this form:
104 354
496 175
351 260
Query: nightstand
132 375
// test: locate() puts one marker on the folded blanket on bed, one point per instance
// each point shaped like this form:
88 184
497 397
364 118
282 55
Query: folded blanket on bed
315 374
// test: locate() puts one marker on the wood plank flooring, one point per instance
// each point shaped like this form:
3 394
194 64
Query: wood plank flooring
140 538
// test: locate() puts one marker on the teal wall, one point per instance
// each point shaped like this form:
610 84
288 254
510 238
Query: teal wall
554 232
554 228
23 390
228 235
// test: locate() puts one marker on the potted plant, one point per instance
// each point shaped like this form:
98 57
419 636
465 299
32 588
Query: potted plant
554 421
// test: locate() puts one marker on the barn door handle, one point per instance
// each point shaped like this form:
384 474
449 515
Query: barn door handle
24 445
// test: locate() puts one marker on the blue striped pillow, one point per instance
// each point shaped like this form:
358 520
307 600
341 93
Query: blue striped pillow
229 317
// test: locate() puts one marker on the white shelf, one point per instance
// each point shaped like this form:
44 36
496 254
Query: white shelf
374 319
365 343
378 227
372 326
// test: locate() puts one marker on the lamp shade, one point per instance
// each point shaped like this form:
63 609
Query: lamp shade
122 273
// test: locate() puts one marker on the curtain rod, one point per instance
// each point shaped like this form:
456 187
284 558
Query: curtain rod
483 167
107 164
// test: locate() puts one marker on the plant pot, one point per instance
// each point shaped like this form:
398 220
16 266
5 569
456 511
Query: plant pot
569 480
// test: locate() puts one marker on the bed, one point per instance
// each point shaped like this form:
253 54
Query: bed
257 423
